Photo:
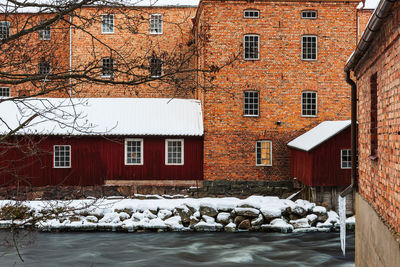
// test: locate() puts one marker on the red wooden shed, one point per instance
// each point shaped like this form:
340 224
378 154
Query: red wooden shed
322 156
90 141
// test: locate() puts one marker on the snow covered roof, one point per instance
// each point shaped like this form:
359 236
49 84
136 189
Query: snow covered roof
369 4
104 116
318 134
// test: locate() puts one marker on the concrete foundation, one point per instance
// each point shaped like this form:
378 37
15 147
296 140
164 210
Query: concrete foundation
376 244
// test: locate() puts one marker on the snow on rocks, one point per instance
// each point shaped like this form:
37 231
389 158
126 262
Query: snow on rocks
154 213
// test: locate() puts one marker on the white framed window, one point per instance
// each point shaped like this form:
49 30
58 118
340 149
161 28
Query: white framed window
309 47
309 104
251 14
345 158
4 91
264 153
308 14
62 156
251 47
133 151
156 24
107 23
44 68
4 29
251 103
174 152
44 34
155 67
107 67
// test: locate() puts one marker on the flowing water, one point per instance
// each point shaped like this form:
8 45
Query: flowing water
180 249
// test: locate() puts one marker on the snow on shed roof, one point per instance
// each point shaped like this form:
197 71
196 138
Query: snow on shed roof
104 116
369 4
318 134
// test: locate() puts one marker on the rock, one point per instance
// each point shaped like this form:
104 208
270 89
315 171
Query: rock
129 211
271 213
193 220
278 225
312 219
92 219
298 211
300 223
174 223
244 225
230 227
294 217
321 213
123 216
247 212
208 219
154 210
238 219
209 210
149 214
257 221
184 212
207 227
191 207
351 223
224 218
248 205
164 214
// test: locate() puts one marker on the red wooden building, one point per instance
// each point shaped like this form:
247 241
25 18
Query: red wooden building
91 141
322 156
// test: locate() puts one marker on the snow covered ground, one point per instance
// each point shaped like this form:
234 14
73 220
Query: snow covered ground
256 213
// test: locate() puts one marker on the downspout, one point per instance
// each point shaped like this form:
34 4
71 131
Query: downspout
353 184
70 55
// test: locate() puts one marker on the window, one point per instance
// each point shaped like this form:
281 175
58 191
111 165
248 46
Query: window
264 153
156 24
44 34
155 67
345 158
4 91
44 68
251 14
251 47
374 116
107 23
62 156
308 14
309 104
251 101
4 29
133 151
174 152
309 47
107 67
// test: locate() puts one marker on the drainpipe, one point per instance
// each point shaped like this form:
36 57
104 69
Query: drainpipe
353 184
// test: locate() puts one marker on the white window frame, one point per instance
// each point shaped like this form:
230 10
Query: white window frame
104 29
309 10
126 151
316 47
154 28
244 103
102 67
251 17
5 28
341 158
244 46
54 157
42 33
316 104
4 88
270 152
182 151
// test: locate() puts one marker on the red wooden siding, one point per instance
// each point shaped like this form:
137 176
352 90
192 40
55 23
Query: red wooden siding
322 165
95 159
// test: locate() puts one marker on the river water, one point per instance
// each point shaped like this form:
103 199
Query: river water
180 249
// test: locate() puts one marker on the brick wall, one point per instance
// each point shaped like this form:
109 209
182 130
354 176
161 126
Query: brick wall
379 180
363 16
280 76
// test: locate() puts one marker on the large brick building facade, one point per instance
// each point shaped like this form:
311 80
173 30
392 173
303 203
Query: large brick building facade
376 67
273 70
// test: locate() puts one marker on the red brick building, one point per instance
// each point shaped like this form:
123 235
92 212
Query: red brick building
286 78
376 66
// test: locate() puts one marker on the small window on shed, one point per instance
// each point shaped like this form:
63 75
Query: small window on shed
251 14
345 158
309 14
